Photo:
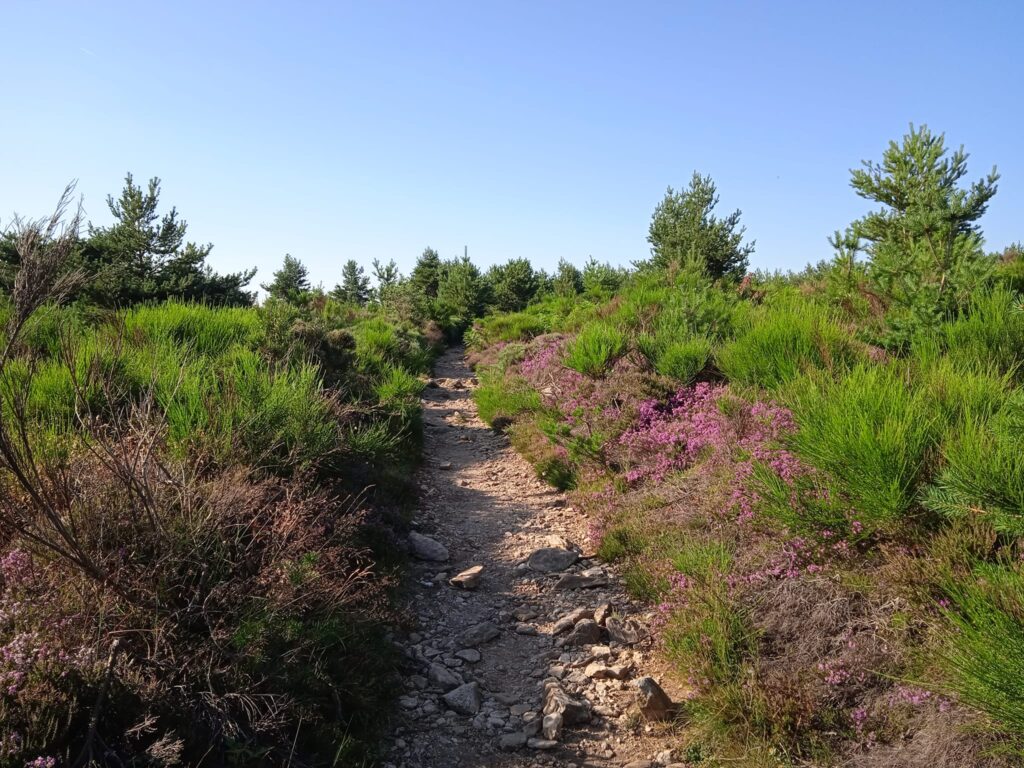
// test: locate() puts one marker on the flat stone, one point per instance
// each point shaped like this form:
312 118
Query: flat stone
639 764
653 701
568 621
586 632
625 631
443 677
479 634
465 699
525 629
598 671
541 744
551 559
602 612
569 581
470 655
426 548
512 741
467 579
558 541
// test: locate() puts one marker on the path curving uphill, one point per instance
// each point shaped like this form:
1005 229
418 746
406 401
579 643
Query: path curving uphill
533 655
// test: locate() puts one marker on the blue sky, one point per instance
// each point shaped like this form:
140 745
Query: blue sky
538 129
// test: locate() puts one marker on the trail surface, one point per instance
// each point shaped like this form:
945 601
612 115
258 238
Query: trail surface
543 627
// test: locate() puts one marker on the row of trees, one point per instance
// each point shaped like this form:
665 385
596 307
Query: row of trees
451 292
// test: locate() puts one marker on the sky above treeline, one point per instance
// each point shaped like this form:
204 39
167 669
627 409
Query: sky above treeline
548 130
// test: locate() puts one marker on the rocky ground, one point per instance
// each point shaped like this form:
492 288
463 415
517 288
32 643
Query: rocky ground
526 650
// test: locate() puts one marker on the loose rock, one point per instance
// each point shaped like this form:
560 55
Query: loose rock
551 559
653 701
465 699
512 741
426 548
568 621
479 634
444 677
541 744
586 632
625 631
552 725
573 711
468 579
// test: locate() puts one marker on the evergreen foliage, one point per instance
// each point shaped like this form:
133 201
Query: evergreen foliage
684 226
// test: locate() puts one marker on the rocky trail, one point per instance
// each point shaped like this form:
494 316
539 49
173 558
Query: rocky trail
525 651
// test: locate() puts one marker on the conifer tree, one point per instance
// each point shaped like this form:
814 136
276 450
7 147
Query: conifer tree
684 227
290 283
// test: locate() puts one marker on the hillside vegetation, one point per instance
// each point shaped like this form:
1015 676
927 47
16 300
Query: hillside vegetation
197 515
816 478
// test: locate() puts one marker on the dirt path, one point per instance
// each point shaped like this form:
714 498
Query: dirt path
483 662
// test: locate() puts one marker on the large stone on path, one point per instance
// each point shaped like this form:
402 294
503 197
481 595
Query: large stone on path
552 725
551 559
426 548
479 634
512 741
625 631
465 699
586 632
443 677
468 579
569 621
573 711
654 703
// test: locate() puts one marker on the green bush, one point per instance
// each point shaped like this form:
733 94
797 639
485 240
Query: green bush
682 360
984 655
779 342
870 433
983 471
500 398
990 333
596 349
707 636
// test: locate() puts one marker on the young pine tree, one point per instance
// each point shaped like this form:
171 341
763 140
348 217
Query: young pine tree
355 285
684 227
924 245
290 283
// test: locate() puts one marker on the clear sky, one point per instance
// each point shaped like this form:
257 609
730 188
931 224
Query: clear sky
542 129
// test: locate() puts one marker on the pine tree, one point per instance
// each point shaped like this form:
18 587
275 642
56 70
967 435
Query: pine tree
290 283
568 281
426 274
355 285
512 285
143 256
924 246
684 227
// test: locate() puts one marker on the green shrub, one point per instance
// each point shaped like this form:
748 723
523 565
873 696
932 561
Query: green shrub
500 398
984 655
683 360
870 433
983 472
399 387
516 326
203 330
596 349
960 390
779 342
707 636
990 333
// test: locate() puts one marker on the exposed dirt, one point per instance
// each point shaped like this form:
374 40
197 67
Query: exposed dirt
483 502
